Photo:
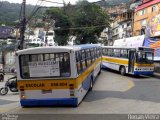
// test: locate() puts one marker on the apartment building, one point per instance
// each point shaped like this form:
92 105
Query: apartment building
122 20
144 18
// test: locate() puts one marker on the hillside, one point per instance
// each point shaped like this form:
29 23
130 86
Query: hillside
12 10
108 3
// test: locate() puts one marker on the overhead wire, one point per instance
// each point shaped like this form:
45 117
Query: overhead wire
84 27
34 9
20 14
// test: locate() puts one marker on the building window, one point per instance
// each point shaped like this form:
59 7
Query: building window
143 22
142 12
153 8
143 30
128 24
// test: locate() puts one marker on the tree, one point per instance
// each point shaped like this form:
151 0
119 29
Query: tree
85 21
62 23
89 21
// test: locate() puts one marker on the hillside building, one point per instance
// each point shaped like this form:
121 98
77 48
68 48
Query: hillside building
145 18
123 17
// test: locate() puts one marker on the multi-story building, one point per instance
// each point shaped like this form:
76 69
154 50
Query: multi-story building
110 34
125 22
122 24
144 15
122 16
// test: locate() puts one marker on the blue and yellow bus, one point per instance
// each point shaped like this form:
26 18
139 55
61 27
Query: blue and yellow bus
56 76
130 60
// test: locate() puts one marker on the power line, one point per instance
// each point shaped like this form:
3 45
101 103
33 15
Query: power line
52 2
74 28
29 19
20 12
36 6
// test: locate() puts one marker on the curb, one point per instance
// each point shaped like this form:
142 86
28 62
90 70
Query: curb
157 75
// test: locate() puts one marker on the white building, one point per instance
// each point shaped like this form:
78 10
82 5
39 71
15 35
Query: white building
49 38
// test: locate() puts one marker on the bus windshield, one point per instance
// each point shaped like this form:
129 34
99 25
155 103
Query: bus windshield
144 57
45 65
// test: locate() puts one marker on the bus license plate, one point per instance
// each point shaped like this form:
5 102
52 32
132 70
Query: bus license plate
46 91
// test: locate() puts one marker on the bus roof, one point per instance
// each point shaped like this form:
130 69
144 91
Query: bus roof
125 47
74 47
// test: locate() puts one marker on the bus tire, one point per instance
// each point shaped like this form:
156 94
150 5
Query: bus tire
122 70
91 84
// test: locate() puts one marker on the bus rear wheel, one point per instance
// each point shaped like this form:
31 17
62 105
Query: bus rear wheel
122 70
91 84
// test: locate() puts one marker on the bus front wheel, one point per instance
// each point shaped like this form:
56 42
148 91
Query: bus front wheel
122 70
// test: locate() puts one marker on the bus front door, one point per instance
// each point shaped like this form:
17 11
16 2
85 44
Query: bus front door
131 61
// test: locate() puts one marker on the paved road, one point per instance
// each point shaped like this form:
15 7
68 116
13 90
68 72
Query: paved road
112 94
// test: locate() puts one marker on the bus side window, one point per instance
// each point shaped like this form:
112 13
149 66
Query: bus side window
66 62
110 53
81 61
92 54
85 58
91 57
124 53
78 62
88 57
117 52
128 53
98 52
61 63
46 57
105 51
95 53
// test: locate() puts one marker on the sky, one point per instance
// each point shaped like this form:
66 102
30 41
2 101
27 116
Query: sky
34 2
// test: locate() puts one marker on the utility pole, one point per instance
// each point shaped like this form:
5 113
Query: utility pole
22 24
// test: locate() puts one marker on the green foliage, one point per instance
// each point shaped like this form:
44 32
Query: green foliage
10 12
90 20
38 25
62 23
87 20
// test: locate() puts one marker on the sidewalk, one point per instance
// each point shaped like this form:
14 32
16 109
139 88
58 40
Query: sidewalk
157 75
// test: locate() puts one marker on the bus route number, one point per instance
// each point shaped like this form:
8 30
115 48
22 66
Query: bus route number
58 84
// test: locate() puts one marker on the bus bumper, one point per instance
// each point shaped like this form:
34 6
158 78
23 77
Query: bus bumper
49 102
143 72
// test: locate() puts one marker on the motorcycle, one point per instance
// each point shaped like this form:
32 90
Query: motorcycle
11 84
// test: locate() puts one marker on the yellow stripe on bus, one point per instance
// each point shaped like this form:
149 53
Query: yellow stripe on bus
143 65
115 60
124 62
56 83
